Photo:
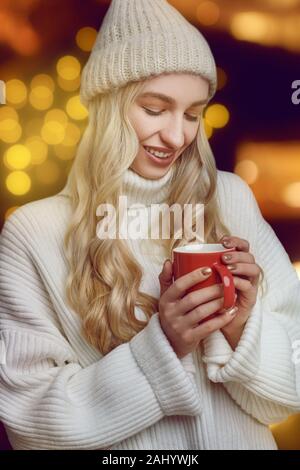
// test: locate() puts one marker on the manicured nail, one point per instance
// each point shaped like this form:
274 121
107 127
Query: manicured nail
227 257
231 267
206 271
232 311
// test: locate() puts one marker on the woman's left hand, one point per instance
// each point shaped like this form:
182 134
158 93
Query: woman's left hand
246 278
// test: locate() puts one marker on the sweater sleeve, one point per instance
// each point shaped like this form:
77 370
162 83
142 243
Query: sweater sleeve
48 400
263 374
188 363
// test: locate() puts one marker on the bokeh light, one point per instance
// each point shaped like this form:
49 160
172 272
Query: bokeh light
291 194
57 115
68 67
85 38
63 152
38 149
53 132
217 115
16 93
72 135
251 26
7 112
75 108
17 157
247 170
41 97
44 80
18 183
208 13
66 149
10 130
69 85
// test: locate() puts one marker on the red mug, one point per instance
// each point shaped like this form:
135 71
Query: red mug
193 256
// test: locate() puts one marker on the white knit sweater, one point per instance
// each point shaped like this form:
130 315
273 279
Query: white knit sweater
58 392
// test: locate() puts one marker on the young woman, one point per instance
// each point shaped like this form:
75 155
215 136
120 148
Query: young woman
103 349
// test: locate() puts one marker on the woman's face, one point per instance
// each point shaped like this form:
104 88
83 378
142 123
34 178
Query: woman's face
170 124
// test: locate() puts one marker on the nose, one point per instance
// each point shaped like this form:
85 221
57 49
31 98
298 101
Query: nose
173 135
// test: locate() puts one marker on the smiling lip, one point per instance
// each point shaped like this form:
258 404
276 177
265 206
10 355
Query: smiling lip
160 149
160 161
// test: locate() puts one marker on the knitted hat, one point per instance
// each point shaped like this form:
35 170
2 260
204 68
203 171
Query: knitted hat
143 38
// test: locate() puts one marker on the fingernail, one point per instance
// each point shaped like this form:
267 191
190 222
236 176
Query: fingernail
206 271
227 257
227 243
231 267
232 311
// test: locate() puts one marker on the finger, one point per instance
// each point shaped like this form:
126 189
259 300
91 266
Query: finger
236 242
191 319
244 269
183 283
198 297
243 285
237 257
166 276
216 323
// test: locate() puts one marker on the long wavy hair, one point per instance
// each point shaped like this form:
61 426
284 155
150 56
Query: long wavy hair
104 277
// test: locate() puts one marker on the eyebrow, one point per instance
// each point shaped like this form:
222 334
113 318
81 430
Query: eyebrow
168 99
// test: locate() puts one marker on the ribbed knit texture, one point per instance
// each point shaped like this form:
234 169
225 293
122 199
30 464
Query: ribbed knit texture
58 392
142 38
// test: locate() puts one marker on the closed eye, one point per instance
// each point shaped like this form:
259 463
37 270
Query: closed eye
158 113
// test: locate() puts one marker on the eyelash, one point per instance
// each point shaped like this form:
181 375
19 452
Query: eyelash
153 113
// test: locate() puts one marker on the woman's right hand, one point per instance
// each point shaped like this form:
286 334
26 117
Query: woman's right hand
180 314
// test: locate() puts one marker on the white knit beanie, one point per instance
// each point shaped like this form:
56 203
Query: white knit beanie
143 38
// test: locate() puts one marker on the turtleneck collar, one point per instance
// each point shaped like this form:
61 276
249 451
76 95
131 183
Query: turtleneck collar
146 191
139 189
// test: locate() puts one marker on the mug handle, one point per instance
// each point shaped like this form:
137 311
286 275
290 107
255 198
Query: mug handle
228 284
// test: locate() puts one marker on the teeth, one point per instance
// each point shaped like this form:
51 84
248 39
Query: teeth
158 154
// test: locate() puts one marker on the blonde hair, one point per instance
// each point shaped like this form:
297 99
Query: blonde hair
104 279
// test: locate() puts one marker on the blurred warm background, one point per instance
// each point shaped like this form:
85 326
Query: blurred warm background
252 123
